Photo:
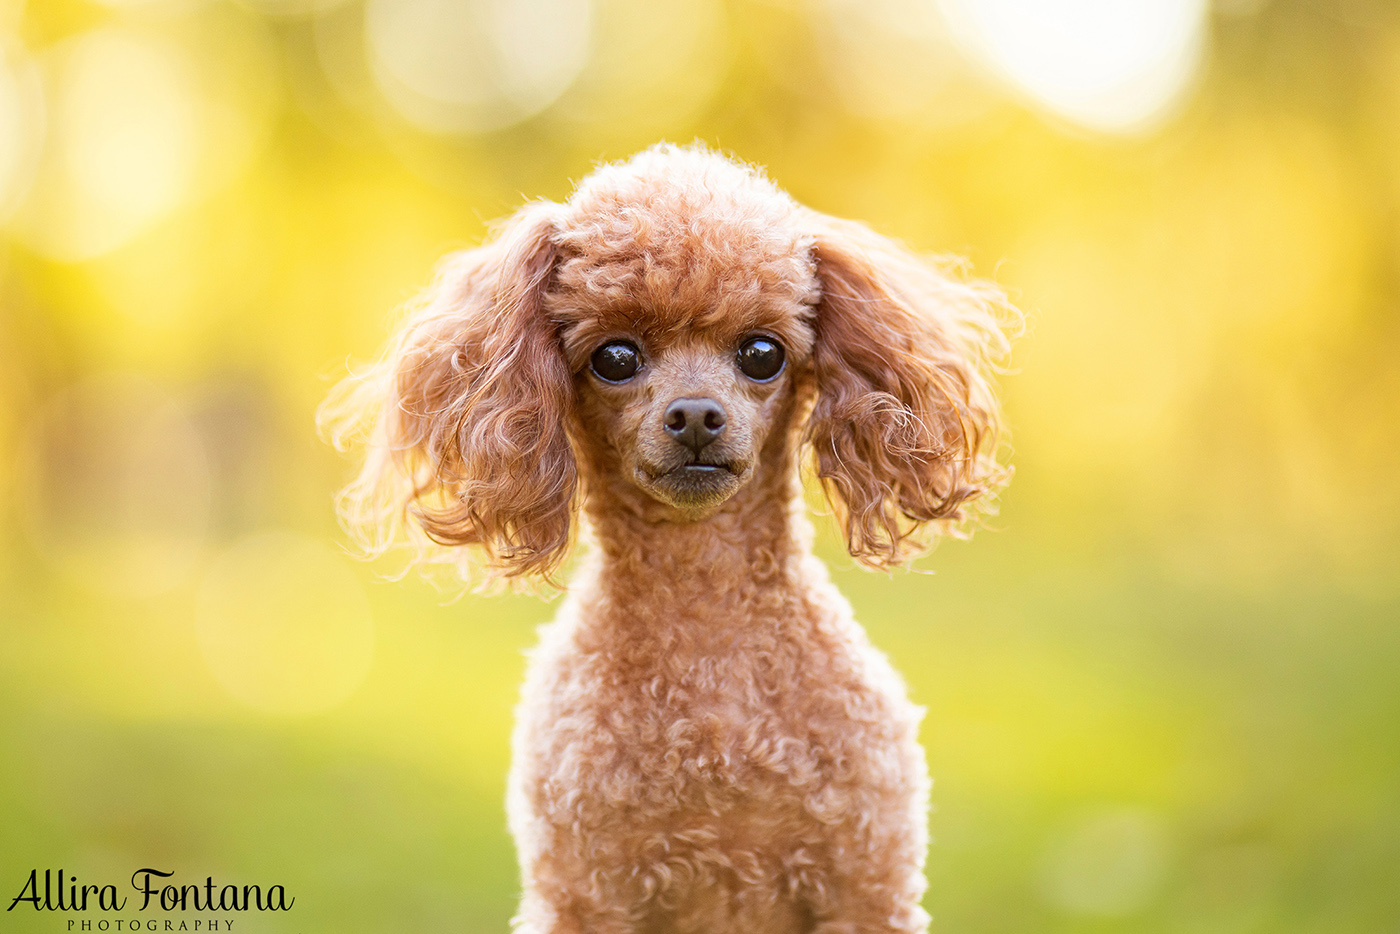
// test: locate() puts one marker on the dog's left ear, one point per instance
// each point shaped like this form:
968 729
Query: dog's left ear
905 425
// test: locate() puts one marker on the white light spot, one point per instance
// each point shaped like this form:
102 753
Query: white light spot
469 66
127 124
284 625
21 126
1110 864
1113 65
122 145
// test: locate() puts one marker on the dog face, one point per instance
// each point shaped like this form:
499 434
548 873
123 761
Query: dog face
662 332
683 413
691 365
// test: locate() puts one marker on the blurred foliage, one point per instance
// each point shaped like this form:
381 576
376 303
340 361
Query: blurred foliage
1162 688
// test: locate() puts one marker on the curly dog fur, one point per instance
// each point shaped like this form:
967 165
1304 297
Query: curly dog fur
707 742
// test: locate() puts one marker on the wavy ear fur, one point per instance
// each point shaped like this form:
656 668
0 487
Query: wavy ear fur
464 415
904 429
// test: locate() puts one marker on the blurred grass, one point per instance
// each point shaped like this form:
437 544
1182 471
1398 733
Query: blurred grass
1161 688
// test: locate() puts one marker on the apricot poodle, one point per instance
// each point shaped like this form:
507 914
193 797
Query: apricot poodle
707 741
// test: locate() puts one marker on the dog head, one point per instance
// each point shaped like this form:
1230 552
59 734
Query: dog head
673 330
684 296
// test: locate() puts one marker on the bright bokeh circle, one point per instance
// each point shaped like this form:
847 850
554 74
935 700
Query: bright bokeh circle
1109 864
1106 64
122 142
471 66
21 125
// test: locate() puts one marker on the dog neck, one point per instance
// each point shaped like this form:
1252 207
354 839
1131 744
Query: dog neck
674 569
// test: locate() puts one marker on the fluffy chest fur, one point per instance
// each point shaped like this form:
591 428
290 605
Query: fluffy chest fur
689 760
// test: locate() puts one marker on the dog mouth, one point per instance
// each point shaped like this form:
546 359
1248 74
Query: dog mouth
692 468
693 483
699 469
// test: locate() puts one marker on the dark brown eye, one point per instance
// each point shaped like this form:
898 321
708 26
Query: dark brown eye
761 359
616 362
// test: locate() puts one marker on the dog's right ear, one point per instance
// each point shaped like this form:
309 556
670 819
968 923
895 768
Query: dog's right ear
464 416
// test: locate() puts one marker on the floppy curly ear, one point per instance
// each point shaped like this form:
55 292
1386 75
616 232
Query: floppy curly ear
905 425
464 416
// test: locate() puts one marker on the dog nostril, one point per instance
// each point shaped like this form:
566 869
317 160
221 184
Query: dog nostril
714 419
675 419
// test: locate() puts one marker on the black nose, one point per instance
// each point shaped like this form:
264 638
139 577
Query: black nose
694 422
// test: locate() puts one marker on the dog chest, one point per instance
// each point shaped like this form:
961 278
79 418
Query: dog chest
752 736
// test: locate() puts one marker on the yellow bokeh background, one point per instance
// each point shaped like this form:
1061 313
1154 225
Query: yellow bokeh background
1164 683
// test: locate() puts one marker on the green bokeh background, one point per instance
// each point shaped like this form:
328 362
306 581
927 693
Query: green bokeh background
1163 686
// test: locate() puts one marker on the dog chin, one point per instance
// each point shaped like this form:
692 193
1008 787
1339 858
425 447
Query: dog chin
695 489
